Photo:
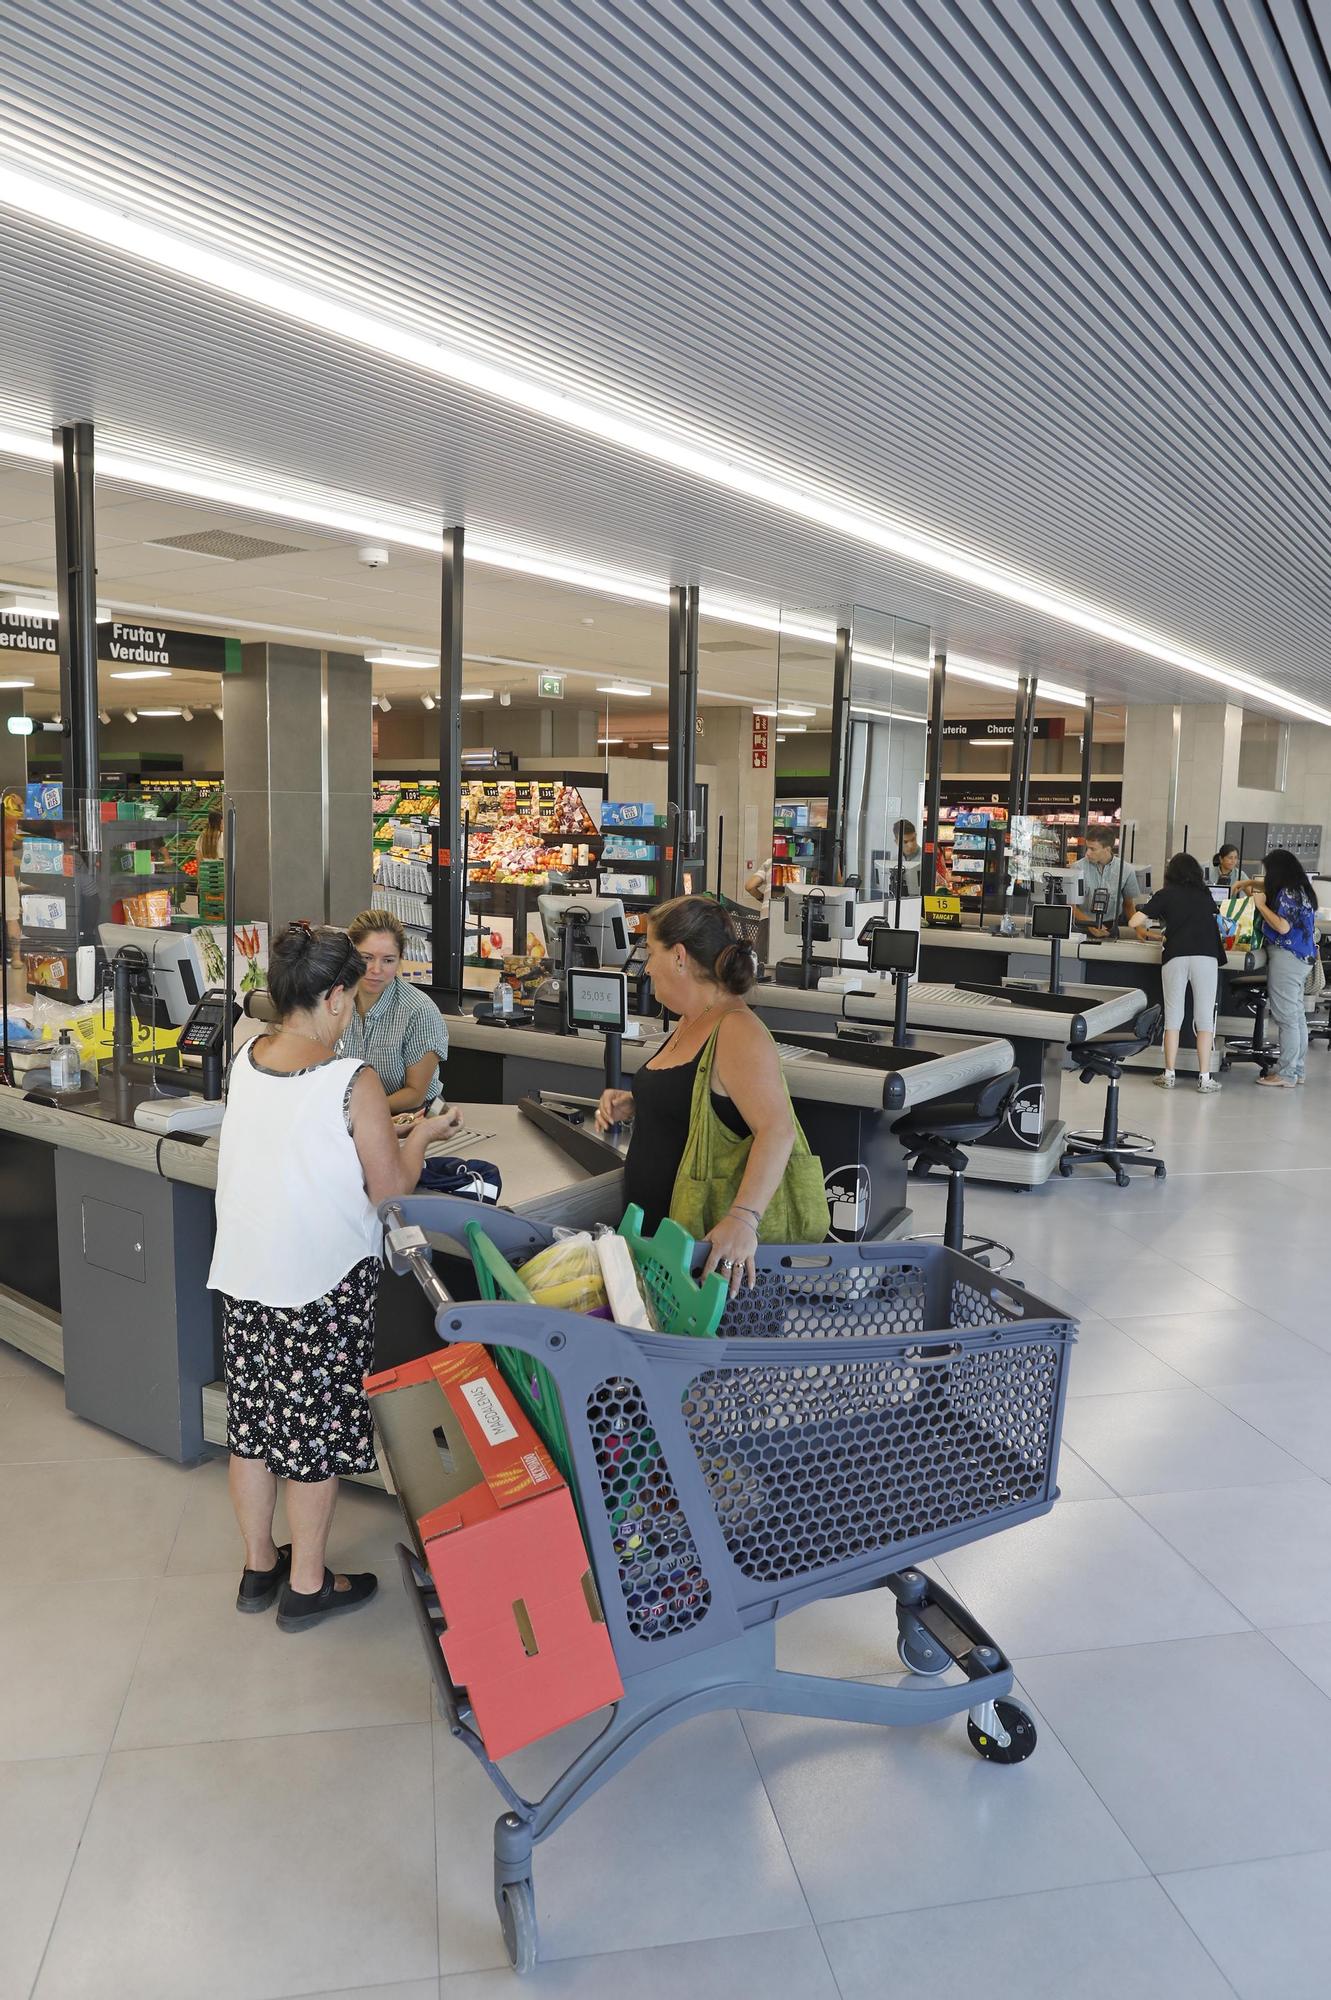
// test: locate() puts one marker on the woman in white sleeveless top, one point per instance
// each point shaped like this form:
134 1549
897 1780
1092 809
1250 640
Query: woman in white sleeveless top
308 1150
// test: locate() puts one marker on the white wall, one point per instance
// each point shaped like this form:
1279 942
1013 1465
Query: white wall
1209 792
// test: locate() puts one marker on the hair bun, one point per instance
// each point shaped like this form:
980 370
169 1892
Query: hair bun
736 966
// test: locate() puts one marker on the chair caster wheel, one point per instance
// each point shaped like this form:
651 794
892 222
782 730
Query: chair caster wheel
1065 1169
1160 1172
1121 1177
1226 1064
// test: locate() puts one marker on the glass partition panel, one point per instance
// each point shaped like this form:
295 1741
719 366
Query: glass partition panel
885 764
802 832
738 654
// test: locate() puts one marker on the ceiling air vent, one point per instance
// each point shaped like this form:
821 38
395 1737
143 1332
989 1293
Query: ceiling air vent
226 547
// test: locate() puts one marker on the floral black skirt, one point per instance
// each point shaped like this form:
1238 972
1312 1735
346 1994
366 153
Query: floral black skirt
293 1379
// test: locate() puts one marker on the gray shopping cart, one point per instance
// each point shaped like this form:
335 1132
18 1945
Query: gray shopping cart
864 1408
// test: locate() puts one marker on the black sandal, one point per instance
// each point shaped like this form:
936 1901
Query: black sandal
300 1608
258 1587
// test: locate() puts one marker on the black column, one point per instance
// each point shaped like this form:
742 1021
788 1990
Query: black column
839 765
76 583
1087 739
933 777
682 683
1018 749
1028 746
449 886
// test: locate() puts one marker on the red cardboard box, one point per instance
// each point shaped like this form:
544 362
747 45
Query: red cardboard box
524 1632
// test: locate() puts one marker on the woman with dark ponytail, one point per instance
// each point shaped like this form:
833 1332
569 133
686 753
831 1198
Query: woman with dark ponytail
720 1067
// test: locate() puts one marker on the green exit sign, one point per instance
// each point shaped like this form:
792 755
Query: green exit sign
551 687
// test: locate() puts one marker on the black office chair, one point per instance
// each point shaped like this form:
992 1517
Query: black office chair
933 1136
1105 1056
1248 996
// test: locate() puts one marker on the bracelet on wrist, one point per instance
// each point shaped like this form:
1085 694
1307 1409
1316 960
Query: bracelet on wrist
745 1212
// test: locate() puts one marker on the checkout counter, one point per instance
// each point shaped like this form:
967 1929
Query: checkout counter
1124 962
845 1096
106 1235
1041 1028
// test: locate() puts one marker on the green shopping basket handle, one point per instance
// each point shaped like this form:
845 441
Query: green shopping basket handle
665 1265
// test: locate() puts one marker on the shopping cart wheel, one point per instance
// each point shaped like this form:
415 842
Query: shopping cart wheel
917 1650
1015 1724
516 1903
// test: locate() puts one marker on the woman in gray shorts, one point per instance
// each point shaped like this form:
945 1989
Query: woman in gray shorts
1193 956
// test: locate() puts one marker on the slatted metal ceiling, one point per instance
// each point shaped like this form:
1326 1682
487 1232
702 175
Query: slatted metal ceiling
1049 281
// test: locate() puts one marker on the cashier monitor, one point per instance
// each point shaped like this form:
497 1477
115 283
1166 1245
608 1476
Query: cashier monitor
173 962
599 931
833 913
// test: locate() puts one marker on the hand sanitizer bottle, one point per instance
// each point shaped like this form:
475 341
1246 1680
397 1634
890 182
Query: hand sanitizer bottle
66 1069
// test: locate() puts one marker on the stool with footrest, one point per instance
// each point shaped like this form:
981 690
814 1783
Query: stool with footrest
1105 1056
933 1136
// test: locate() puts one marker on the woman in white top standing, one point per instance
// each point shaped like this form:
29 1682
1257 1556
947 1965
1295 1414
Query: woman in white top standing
307 1152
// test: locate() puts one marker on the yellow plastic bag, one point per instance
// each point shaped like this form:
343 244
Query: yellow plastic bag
567 1274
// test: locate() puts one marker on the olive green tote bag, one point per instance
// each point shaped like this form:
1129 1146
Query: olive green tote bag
713 1166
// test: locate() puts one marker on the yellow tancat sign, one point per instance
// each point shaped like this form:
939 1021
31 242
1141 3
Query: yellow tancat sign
943 912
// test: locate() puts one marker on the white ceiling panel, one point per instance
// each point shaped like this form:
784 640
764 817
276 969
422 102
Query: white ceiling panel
1049 279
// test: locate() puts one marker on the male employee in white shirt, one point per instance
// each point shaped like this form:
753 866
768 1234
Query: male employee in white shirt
1100 871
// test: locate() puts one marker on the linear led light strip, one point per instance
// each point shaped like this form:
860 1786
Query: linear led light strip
118 229
614 583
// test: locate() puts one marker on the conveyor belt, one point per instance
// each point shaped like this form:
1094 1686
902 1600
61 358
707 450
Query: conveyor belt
1088 1010
925 1073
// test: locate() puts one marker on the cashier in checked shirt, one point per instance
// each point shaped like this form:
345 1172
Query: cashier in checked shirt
395 1027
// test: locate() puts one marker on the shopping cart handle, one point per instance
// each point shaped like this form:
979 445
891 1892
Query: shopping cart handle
409 1250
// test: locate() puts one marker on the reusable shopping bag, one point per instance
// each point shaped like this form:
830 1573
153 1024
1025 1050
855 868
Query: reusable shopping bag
1237 917
713 1166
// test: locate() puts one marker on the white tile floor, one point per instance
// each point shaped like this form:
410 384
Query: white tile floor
194 1808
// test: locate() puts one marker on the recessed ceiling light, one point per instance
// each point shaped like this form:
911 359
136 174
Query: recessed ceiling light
795 729
396 660
796 708
161 711
610 739
477 694
626 687
660 746
17 684
142 674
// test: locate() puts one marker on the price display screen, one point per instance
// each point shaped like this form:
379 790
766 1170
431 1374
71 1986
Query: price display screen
598 1000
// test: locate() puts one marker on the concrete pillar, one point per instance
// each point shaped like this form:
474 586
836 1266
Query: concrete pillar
744 796
1204 753
296 761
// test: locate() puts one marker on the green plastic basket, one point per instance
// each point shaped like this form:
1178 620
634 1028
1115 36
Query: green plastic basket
530 1381
678 1304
